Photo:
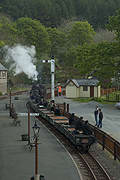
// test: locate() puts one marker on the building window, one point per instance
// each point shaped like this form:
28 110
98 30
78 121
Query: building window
2 75
85 88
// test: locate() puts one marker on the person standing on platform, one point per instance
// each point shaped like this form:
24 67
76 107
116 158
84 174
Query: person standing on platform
59 90
100 119
96 115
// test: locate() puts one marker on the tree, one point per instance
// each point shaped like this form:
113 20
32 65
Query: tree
99 60
8 31
80 33
114 24
33 33
58 40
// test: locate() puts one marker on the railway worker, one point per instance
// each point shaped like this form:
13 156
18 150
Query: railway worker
59 90
96 115
100 118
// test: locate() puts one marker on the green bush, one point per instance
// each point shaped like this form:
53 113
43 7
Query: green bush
0 93
98 99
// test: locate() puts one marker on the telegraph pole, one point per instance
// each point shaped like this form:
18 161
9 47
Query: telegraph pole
52 61
52 78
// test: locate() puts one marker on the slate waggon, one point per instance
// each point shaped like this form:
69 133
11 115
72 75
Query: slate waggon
81 138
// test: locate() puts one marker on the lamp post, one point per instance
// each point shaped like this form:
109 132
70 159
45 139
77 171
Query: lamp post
10 105
36 130
28 125
10 97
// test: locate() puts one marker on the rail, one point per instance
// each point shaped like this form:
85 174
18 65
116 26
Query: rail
13 94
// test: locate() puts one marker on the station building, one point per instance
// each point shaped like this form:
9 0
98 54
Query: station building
83 88
3 79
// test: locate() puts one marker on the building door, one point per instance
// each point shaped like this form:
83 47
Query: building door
91 91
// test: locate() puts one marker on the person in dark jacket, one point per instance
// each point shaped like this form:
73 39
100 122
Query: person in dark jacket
100 119
96 115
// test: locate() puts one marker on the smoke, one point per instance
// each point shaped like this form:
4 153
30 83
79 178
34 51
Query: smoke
23 58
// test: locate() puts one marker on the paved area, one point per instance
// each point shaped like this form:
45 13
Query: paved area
111 120
17 162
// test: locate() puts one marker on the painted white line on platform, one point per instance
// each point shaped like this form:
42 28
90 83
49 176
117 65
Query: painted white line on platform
26 114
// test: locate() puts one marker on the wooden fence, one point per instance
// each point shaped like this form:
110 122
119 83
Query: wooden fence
107 91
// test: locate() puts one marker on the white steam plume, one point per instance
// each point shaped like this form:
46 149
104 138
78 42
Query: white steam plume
23 58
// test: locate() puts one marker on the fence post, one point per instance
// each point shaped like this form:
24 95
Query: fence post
115 151
67 108
64 107
103 145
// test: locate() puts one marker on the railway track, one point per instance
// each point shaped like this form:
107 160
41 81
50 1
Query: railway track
89 167
95 169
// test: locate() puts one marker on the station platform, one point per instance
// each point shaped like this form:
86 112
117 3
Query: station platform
111 115
18 162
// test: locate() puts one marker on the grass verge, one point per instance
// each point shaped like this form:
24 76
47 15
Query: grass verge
100 100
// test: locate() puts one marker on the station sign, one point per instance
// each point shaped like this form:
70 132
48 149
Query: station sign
26 114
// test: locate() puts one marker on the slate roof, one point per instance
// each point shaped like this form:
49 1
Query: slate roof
84 82
2 68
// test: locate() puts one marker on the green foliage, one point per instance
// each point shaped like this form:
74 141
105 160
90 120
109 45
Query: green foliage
80 33
72 45
0 93
57 39
99 60
83 100
49 12
114 24
1 44
53 12
20 78
33 33
8 32
101 100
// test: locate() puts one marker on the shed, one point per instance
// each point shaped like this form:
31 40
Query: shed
82 88
3 79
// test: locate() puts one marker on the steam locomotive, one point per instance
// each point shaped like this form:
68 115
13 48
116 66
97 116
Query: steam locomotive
37 93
